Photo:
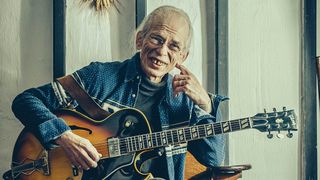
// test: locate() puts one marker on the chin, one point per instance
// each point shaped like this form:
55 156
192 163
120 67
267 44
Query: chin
154 73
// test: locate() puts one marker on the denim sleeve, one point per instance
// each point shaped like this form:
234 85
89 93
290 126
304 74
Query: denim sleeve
208 151
34 108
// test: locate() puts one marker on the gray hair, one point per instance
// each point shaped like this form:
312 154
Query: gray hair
162 12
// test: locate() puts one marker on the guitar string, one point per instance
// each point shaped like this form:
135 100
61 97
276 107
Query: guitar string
136 145
187 133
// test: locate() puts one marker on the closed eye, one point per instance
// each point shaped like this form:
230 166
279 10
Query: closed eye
156 39
175 47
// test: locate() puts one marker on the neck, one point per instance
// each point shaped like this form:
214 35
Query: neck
154 79
177 136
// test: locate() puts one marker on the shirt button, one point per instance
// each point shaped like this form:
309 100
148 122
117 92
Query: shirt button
133 95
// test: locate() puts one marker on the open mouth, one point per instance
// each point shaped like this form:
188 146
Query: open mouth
158 62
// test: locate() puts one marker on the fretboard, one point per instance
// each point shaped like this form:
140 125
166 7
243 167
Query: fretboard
180 135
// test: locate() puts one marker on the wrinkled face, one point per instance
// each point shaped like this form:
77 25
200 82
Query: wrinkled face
163 46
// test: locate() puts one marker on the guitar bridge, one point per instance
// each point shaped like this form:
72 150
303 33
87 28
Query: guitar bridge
114 147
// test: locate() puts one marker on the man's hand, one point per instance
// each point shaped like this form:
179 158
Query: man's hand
186 82
79 150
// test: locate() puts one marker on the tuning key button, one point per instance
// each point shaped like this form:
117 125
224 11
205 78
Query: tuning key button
270 135
290 134
280 136
284 109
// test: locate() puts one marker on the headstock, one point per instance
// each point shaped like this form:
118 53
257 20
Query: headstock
278 121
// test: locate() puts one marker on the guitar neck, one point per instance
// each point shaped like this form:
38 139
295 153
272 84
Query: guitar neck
176 136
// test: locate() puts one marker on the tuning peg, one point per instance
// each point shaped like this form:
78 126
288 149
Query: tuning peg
290 134
280 136
269 135
265 111
284 108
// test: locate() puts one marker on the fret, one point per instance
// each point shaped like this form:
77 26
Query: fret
230 126
209 130
170 139
164 138
226 127
194 132
149 140
133 144
158 137
245 123
145 141
175 136
154 140
235 125
127 142
165 133
136 140
217 128
187 132
202 132
122 145
181 135
140 142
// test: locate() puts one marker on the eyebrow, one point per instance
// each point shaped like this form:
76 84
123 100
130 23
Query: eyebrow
173 41
176 42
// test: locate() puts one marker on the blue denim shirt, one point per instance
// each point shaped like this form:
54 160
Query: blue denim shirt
115 85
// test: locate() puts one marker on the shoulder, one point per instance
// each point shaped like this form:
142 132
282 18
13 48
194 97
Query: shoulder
105 66
96 68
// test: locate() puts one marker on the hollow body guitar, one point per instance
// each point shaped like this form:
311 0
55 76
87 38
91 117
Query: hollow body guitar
126 142
31 161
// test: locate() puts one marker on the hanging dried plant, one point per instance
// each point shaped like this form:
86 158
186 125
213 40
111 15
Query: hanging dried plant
104 4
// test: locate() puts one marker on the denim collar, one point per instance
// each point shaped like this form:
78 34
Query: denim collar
133 68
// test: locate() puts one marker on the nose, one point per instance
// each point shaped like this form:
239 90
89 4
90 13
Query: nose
162 50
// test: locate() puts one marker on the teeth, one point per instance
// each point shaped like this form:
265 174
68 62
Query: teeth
159 63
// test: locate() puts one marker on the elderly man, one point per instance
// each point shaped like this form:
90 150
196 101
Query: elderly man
141 82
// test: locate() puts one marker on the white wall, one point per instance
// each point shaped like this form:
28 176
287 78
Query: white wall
25 61
264 57
98 36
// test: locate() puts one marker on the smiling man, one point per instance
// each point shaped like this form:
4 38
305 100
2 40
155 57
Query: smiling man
142 82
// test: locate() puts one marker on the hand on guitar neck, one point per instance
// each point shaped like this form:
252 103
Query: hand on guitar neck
79 150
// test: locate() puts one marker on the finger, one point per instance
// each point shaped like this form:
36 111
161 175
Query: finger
180 80
93 153
90 161
82 162
74 161
181 89
181 77
179 83
183 69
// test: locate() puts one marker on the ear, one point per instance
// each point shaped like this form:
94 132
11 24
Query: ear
184 56
139 40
